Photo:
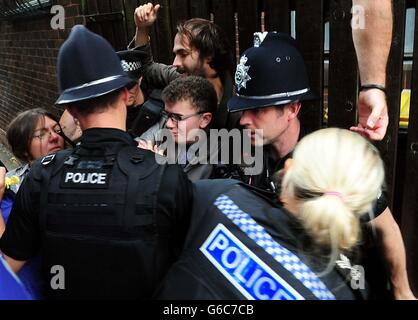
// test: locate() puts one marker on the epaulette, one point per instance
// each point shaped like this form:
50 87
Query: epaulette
48 159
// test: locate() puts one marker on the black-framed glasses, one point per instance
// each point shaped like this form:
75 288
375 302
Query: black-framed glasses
43 132
175 117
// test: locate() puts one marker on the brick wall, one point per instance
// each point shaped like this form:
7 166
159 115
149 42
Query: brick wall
28 56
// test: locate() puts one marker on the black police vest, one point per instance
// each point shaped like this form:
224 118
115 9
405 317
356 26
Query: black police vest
100 221
234 251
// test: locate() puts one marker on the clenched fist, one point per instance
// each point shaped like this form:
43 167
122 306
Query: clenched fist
146 15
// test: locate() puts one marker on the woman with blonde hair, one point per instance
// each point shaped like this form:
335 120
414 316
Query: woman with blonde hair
242 246
333 179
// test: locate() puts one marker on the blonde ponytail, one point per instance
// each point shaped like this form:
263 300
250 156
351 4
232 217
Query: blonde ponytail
330 221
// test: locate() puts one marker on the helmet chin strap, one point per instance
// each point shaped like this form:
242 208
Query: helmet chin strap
66 139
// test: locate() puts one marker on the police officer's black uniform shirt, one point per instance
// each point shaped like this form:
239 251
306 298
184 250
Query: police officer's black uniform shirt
271 165
126 265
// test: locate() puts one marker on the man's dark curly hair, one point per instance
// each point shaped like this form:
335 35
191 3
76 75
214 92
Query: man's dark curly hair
199 91
211 41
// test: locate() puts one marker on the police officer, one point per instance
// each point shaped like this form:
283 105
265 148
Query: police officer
106 217
144 103
272 86
241 245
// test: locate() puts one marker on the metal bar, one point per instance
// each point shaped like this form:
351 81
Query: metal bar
113 16
343 75
310 37
223 11
23 7
163 35
11 8
388 146
277 15
409 219
248 22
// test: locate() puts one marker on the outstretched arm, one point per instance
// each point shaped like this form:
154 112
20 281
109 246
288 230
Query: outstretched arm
372 42
394 254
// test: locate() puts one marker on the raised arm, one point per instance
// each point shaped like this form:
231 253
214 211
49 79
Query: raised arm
145 17
372 41
391 241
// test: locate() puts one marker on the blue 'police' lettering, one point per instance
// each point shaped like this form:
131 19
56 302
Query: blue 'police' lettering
248 273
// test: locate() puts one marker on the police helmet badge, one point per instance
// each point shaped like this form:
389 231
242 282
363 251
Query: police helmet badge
259 38
241 75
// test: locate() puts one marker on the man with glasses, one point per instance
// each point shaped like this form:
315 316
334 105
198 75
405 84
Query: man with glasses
190 103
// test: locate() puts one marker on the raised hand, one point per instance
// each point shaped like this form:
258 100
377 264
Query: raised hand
146 15
148 145
372 114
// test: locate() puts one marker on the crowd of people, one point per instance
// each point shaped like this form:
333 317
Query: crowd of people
128 185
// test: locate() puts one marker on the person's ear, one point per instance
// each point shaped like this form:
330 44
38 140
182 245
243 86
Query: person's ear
293 110
208 60
28 157
281 173
205 120
287 165
72 111
125 95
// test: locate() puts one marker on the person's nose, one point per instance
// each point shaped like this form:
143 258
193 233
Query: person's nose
245 119
53 136
170 124
177 62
